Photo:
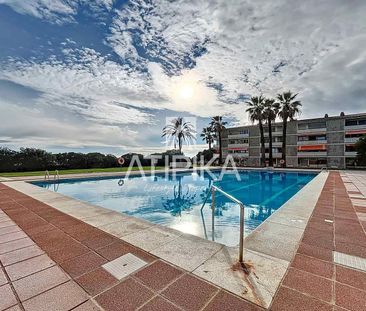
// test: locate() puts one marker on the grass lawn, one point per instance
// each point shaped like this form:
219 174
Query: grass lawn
76 171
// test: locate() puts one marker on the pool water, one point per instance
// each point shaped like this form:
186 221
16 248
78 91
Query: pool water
175 201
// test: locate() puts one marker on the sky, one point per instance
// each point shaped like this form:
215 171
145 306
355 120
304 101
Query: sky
106 75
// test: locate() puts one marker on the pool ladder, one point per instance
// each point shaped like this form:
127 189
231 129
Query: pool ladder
212 192
55 176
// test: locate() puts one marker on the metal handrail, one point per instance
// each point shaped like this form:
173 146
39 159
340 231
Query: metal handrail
213 189
56 175
46 175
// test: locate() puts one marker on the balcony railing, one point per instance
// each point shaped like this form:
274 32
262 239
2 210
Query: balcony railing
243 146
238 135
306 154
311 142
316 130
351 139
350 154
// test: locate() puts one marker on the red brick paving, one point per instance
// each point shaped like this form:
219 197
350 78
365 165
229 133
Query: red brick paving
314 281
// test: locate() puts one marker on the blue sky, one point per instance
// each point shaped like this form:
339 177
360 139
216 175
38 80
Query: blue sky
104 75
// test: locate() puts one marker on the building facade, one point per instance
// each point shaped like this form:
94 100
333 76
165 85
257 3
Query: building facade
311 143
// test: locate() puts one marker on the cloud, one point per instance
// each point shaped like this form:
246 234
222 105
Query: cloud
222 51
56 11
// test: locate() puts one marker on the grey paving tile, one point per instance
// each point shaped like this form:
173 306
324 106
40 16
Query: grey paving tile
64 297
39 282
20 255
7 297
14 245
29 266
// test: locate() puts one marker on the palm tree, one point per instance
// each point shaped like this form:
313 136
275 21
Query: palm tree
179 131
270 113
208 135
256 113
217 124
288 109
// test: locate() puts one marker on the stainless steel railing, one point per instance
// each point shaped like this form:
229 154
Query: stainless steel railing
212 191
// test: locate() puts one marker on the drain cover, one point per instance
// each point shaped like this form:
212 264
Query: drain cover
350 261
124 265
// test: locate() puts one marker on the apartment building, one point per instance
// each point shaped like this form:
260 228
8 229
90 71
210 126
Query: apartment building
313 143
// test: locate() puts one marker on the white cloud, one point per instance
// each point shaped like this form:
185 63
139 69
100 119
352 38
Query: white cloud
56 11
218 49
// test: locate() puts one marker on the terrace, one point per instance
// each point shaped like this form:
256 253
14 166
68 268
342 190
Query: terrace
58 253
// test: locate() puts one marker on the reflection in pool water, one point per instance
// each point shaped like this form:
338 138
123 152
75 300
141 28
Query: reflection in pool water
175 201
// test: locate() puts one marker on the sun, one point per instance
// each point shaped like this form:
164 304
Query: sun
186 92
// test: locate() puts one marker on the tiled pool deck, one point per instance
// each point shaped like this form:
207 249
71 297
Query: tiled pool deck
51 256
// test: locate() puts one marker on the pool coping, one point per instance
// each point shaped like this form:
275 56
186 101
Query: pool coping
214 262
137 173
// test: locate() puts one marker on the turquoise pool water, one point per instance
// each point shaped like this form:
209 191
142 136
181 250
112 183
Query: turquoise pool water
175 201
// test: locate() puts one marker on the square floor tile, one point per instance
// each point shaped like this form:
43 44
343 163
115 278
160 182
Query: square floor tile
224 301
309 284
158 275
3 279
12 236
126 296
83 264
189 292
88 306
9 229
7 297
350 298
68 252
39 282
96 281
313 265
289 300
159 304
100 241
29 266
63 297
20 255
115 250
14 245
351 277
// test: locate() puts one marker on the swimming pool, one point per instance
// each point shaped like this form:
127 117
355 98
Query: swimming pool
175 200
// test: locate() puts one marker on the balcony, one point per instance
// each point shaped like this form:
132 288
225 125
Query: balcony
361 127
238 146
351 154
274 144
351 140
322 130
276 155
235 136
310 154
310 142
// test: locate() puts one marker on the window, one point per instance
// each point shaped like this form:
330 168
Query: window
244 132
351 122
355 122
312 138
311 126
350 148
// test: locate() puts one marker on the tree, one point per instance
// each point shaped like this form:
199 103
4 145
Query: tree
218 125
208 135
288 109
179 130
256 113
270 112
360 147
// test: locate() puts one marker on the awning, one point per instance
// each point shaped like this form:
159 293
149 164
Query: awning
356 132
312 148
